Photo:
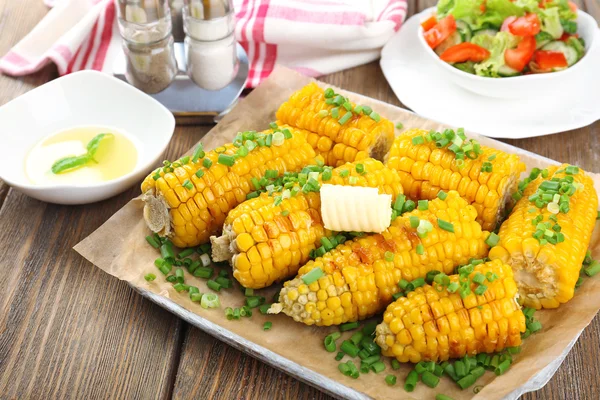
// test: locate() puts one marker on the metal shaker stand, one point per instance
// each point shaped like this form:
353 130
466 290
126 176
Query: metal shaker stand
188 102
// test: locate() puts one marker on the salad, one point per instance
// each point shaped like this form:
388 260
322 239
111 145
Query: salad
503 38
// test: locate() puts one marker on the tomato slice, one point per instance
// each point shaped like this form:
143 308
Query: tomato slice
565 36
440 32
529 25
547 60
429 23
573 6
518 58
506 23
465 52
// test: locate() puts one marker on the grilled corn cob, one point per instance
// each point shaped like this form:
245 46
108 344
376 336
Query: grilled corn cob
426 169
191 203
358 278
433 324
546 248
335 136
263 245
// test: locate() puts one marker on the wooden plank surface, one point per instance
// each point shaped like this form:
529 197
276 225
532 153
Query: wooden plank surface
67 330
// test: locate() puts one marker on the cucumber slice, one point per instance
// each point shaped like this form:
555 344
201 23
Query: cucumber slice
465 31
488 32
576 44
507 71
468 66
569 52
542 39
452 40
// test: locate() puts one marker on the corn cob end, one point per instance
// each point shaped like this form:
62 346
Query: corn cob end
156 213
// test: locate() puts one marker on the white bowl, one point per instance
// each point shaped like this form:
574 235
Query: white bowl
522 86
86 98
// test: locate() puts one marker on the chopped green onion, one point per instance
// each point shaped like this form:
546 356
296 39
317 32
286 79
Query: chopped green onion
312 276
196 297
149 277
423 205
226 160
374 116
420 250
389 256
447 226
207 163
442 195
418 140
390 380
395 364
198 153
411 381
479 278
452 287
349 348
210 300
187 184
356 337
345 118
179 287
360 168
480 290
430 379
348 326
213 285
378 367
152 241
571 170
417 282
593 269
330 345
399 203
264 308
414 221
335 112
278 139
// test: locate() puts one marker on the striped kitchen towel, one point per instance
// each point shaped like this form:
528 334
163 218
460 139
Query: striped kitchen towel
314 37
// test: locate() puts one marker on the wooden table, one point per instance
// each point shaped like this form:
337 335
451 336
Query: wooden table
68 330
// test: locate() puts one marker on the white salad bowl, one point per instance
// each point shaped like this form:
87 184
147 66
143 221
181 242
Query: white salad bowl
86 98
523 86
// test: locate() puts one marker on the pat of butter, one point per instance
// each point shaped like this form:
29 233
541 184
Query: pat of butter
354 208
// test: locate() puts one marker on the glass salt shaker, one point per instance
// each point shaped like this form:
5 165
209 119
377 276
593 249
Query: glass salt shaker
212 61
145 26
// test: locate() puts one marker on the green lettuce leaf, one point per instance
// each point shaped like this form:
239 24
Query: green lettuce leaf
551 22
496 45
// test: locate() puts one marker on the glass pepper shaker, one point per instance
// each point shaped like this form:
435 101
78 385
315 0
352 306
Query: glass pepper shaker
145 26
212 61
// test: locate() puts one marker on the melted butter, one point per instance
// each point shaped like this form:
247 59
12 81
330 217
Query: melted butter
120 157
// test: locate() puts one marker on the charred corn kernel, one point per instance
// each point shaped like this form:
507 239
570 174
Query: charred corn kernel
189 214
355 139
469 327
290 237
426 169
364 280
546 274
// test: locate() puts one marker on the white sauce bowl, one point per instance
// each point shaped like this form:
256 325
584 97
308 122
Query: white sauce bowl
85 98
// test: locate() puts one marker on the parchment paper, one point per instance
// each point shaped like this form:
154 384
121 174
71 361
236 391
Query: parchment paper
119 248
